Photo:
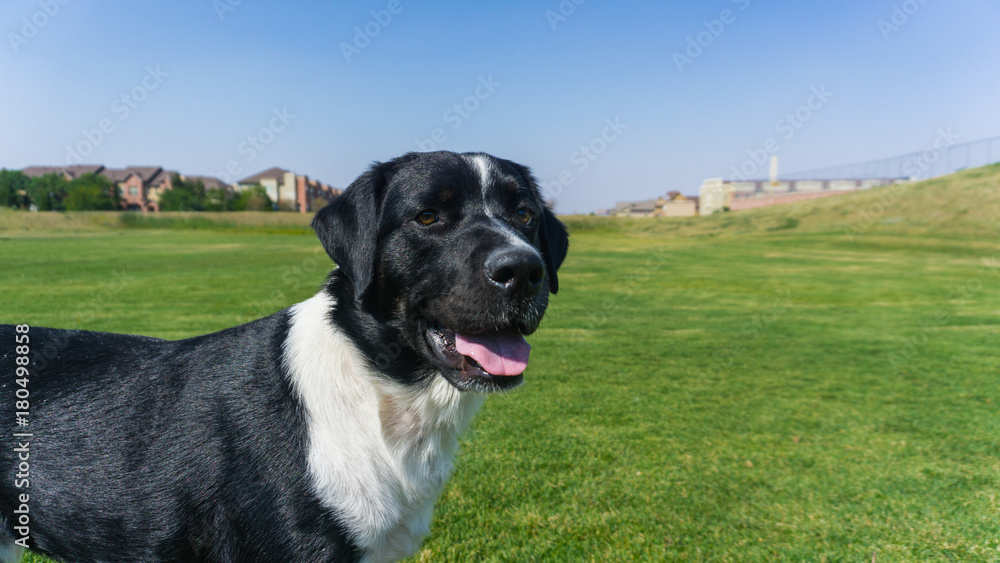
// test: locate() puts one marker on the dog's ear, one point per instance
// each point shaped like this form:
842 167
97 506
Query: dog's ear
555 242
348 226
552 233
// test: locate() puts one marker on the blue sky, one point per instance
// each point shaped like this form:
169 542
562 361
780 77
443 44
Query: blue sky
268 84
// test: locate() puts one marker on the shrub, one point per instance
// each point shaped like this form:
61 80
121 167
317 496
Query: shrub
183 196
13 188
254 198
317 203
90 192
48 191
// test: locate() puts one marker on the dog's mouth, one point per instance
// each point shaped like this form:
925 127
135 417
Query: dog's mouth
487 360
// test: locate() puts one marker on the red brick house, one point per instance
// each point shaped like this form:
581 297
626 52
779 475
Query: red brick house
140 186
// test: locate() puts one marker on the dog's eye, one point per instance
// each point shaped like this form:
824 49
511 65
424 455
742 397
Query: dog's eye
427 217
525 215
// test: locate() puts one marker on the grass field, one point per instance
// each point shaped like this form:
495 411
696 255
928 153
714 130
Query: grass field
784 384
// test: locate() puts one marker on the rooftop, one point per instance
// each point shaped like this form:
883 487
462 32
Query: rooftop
271 173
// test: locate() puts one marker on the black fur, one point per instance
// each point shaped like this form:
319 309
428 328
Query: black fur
553 240
152 450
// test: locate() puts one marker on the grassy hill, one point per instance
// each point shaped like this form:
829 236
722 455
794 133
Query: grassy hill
966 203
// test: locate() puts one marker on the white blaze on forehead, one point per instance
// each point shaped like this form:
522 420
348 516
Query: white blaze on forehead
487 175
482 165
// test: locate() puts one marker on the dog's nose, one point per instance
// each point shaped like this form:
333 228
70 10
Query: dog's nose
516 272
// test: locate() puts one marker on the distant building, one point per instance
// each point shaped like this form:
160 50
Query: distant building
68 172
140 187
210 182
674 204
718 194
715 196
677 204
289 190
646 208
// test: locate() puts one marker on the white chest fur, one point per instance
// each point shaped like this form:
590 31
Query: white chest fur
379 452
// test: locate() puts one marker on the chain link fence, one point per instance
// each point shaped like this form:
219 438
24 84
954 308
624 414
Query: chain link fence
918 165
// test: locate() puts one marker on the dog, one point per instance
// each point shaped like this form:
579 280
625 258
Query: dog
324 432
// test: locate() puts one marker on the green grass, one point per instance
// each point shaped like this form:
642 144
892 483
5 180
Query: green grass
743 387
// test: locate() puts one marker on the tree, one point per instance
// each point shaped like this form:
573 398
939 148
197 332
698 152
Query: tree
217 199
184 195
91 192
253 198
13 188
317 203
47 191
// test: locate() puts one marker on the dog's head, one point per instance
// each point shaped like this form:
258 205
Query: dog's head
448 260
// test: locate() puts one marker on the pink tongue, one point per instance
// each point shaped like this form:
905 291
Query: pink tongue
500 353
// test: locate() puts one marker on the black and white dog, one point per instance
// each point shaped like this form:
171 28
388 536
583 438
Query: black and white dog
324 432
